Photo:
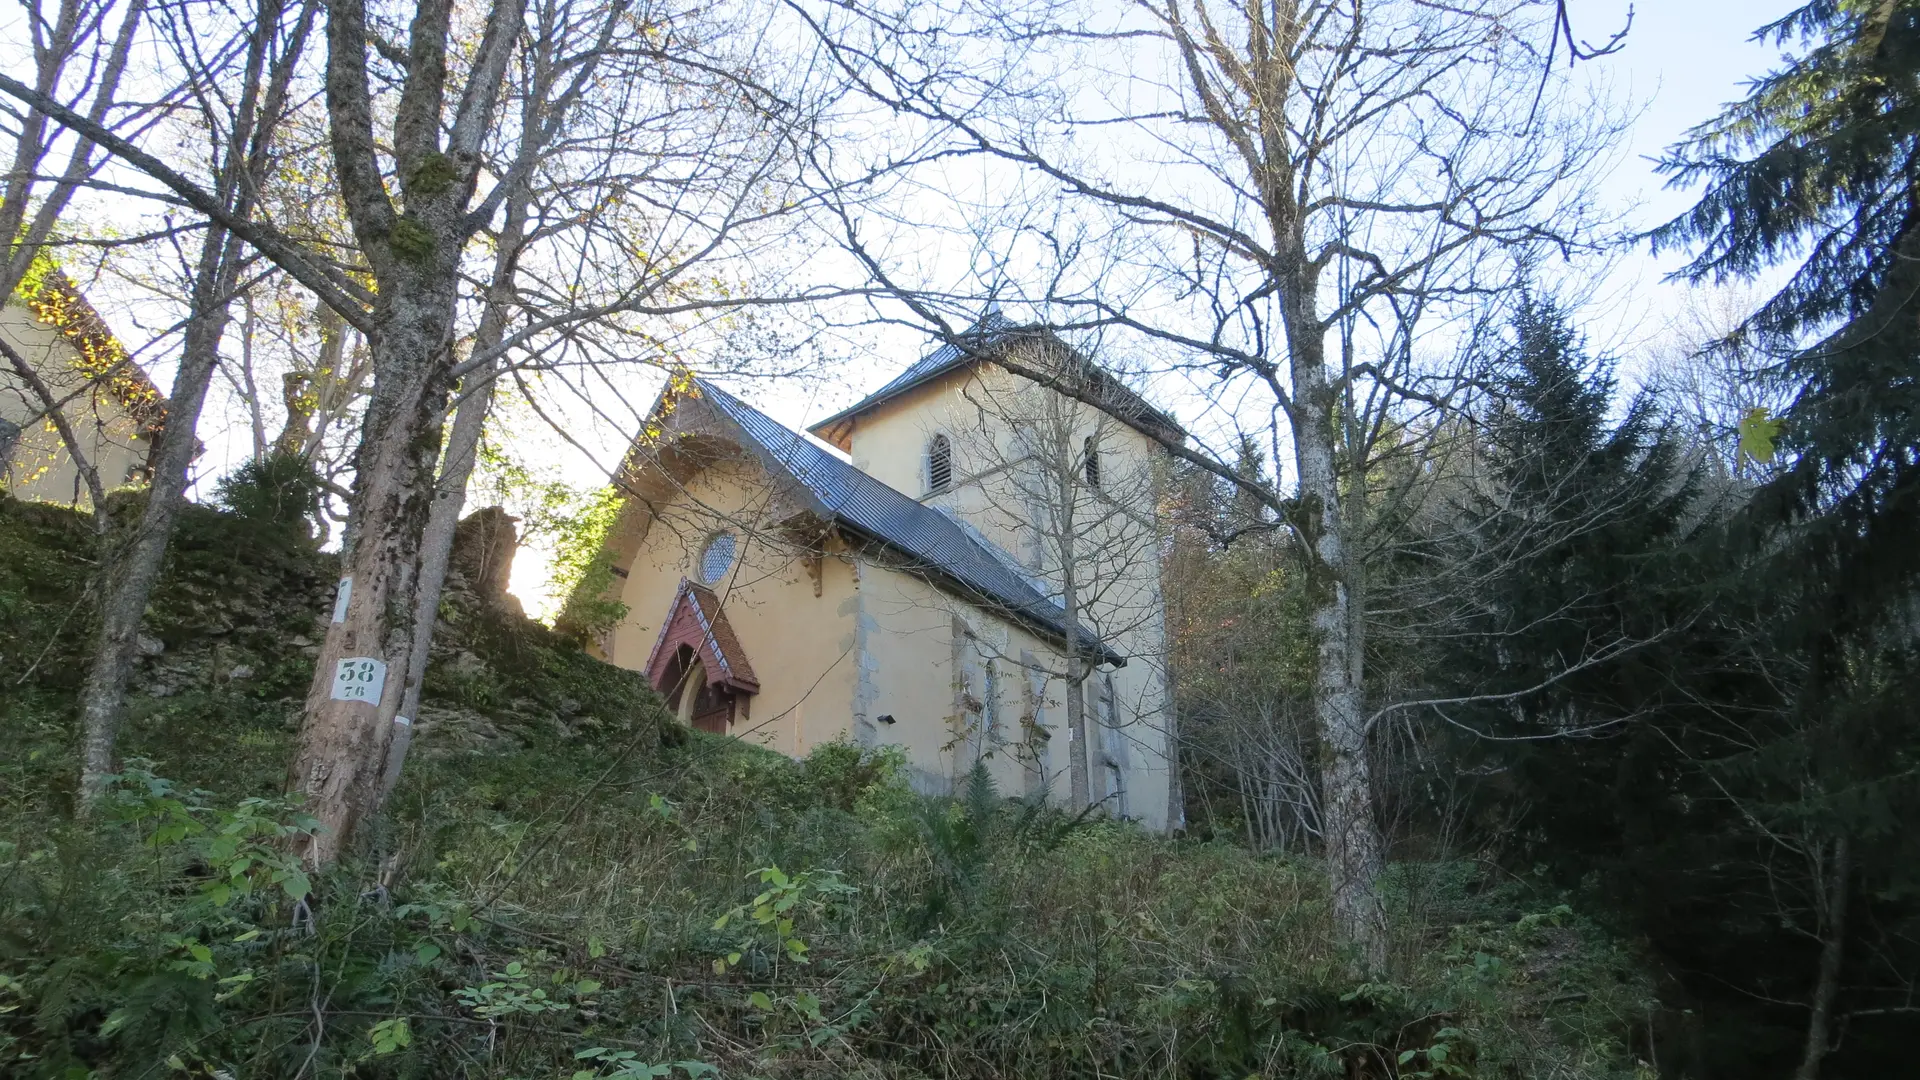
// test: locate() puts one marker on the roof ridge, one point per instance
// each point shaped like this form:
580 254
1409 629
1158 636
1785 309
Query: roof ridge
872 507
1121 401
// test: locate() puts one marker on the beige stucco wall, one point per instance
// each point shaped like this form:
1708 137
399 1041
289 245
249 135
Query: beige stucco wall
906 648
1125 603
890 442
881 641
801 646
40 467
910 652
910 640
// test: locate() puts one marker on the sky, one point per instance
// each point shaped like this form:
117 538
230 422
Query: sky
1680 62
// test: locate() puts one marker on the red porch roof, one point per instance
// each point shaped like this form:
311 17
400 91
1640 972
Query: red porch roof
697 620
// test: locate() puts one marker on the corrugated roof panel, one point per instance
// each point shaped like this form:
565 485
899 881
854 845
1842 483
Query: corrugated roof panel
937 361
903 523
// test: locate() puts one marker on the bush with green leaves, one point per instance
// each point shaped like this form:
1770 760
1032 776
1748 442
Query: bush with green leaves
280 492
648 921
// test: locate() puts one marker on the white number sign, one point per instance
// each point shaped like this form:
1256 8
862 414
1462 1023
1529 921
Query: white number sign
359 678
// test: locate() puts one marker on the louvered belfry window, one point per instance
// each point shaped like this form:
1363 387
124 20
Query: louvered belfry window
1093 463
939 464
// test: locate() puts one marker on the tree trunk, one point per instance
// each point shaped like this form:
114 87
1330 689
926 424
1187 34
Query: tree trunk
450 492
1079 776
1176 790
296 395
361 672
132 570
436 548
312 396
414 249
1833 947
1354 850
1078 779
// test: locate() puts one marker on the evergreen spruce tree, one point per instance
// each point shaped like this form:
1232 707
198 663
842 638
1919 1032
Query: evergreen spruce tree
1630 705
1569 543
1821 163
1824 158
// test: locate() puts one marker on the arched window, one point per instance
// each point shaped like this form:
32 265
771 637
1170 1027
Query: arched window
939 465
717 558
1092 459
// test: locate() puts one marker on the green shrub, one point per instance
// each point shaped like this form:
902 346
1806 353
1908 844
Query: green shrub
279 492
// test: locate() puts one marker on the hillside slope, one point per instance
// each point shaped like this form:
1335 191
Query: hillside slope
569 887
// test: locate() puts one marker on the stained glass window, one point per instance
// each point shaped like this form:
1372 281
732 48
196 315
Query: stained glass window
718 557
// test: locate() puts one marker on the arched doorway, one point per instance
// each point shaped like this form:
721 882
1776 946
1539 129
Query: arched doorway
695 702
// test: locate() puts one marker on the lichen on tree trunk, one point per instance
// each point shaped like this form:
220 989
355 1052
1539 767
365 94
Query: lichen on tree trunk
343 743
1350 834
133 565
131 568
450 490
414 250
1833 896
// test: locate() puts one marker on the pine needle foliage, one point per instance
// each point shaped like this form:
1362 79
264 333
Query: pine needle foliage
1819 168
1817 163
279 492
1567 536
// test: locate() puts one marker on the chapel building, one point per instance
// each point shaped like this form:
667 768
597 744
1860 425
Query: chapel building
104 399
913 590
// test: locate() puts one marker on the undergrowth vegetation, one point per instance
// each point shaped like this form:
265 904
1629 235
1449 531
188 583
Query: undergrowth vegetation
617 898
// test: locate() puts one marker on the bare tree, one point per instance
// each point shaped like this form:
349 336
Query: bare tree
75 60
1284 192
241 111
318 362
1243 694
591 122
237 101
654 111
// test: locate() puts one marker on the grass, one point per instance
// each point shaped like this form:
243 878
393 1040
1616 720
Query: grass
595 900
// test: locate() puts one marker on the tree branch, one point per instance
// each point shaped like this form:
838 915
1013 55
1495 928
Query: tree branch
40 389
349 299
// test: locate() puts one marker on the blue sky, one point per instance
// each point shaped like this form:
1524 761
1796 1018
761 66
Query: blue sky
1681 62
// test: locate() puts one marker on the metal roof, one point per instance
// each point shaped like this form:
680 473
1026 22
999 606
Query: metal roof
931 541
990 331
